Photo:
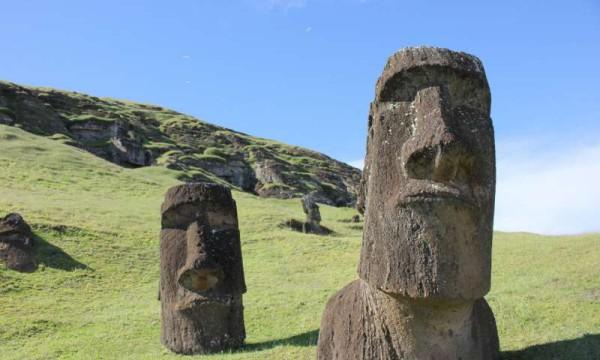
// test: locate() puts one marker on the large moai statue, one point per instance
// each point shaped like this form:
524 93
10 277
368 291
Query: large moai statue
428 198
201 270
16 244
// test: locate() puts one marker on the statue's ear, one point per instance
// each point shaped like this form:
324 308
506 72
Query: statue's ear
361 197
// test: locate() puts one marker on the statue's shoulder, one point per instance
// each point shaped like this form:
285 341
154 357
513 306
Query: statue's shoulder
344 321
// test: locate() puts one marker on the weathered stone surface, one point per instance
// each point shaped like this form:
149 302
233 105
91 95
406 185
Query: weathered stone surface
121 145
430 177
202 276
127 147
133 135
311 209
28 111
6 118
271 179
16 244
427 194
312 224
234 170
370 324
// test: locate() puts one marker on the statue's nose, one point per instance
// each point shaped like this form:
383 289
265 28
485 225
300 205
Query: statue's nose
434 151
201 272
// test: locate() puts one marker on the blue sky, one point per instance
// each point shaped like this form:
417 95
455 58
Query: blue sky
303 72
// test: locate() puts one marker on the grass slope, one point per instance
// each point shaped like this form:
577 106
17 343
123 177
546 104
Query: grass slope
197 149
94 295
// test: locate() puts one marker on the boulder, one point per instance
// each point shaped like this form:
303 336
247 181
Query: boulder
16 244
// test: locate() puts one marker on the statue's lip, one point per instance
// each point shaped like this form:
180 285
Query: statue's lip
435 196
197 301
431 191
208 301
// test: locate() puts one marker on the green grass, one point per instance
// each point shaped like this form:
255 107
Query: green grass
90 118
7 111
162 131
94 295
276 185
210 157
213 151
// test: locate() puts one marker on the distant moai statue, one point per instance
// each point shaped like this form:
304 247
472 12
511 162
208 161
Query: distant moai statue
312 224
428 198
201 270
16 244
313 215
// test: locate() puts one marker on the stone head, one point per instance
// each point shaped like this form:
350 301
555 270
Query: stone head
201 261
429 179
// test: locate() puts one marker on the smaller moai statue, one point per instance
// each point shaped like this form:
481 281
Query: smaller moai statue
427 194
312 224
16 244
201 270
313 215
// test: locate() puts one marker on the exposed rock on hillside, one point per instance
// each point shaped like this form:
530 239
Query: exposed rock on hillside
133 135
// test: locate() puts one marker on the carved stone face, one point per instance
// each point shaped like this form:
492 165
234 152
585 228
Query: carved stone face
429 177
207 233
202 278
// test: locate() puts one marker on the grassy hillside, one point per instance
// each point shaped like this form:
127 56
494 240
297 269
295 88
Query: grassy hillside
94 295
136 135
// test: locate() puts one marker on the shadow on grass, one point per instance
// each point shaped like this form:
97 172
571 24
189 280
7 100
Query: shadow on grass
54 257
308 338
586 347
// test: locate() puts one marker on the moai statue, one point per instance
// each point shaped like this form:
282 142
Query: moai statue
201 270
313 215
16 244
428 199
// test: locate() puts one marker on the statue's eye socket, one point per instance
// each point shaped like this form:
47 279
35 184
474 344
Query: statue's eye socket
180 217
200 280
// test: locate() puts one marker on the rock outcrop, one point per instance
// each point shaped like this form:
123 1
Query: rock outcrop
201 270
120 144
428 199
134 135
16 244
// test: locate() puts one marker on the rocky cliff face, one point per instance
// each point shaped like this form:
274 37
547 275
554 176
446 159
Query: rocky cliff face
133 135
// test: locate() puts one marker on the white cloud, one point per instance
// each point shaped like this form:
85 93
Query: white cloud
308 29
545 189
186 57
549 192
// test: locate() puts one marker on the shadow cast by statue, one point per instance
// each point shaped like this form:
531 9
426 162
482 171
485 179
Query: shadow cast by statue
54 257
308 338
586 347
